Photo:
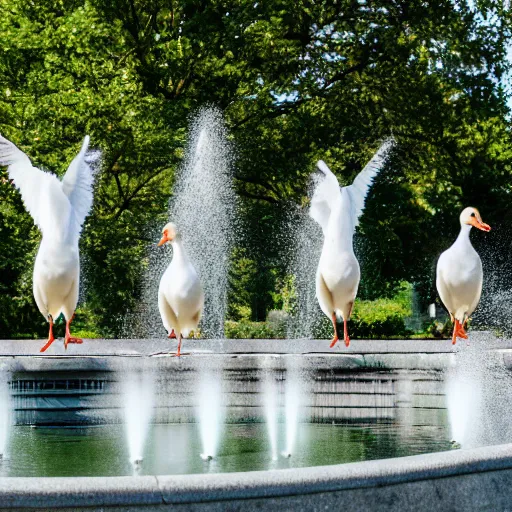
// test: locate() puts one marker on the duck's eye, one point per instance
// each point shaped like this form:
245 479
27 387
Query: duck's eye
473 214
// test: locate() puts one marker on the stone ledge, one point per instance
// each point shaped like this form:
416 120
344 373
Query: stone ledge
423 472
140 347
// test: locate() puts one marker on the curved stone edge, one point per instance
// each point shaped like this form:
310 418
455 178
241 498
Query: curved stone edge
273 484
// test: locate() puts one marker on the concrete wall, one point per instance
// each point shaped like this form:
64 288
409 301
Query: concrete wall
58 391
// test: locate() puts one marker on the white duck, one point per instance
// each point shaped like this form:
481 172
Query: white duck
459 274
180 295
59 209
337 210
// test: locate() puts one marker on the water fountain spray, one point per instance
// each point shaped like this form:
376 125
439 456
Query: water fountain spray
270 392
293 393
307 244
202 206
479 395
210 412
138 393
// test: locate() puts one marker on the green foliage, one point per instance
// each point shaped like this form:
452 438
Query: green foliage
250 330
393 326
297 82
440 329
399 305
242 277
383 318
286 294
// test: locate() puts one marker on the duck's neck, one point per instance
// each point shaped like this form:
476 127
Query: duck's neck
463 238
178 252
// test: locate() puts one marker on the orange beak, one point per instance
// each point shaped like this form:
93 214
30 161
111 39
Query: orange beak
163 240
477 223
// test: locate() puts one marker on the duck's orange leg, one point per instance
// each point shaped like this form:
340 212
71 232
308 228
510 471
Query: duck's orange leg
461 332
51 338
345 333
458 332
178 353
68 338
172 335
335 339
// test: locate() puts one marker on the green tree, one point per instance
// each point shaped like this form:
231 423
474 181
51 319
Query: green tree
298 81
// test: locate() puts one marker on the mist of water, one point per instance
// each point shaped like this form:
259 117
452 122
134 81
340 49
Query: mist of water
479 395
202 206
138 393
463 395
307 247
210 412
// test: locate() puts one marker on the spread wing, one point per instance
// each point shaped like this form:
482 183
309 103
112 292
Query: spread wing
78 183
41 191
359 188
327 191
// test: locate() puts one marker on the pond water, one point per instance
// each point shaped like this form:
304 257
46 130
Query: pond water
176 448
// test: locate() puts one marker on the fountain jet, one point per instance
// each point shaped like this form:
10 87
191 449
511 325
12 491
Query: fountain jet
306 241
270 406
138 392
203 206
291 408
210 413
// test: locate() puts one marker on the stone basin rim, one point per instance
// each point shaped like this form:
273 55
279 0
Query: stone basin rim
133 348
62 492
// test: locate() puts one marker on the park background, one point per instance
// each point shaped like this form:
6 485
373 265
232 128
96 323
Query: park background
297 81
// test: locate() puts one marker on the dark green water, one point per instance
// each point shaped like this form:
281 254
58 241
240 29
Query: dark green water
175 448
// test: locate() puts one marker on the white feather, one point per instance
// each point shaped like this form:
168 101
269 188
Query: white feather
459 275
58 208
180 294
41 191
327 194
77 184
361 185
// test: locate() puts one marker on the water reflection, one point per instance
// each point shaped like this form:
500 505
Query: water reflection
138 393
101 451
5 416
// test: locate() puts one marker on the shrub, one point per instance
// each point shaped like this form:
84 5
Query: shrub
383 318
249 330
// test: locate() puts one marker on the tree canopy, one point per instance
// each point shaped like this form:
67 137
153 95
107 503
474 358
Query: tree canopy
297 81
